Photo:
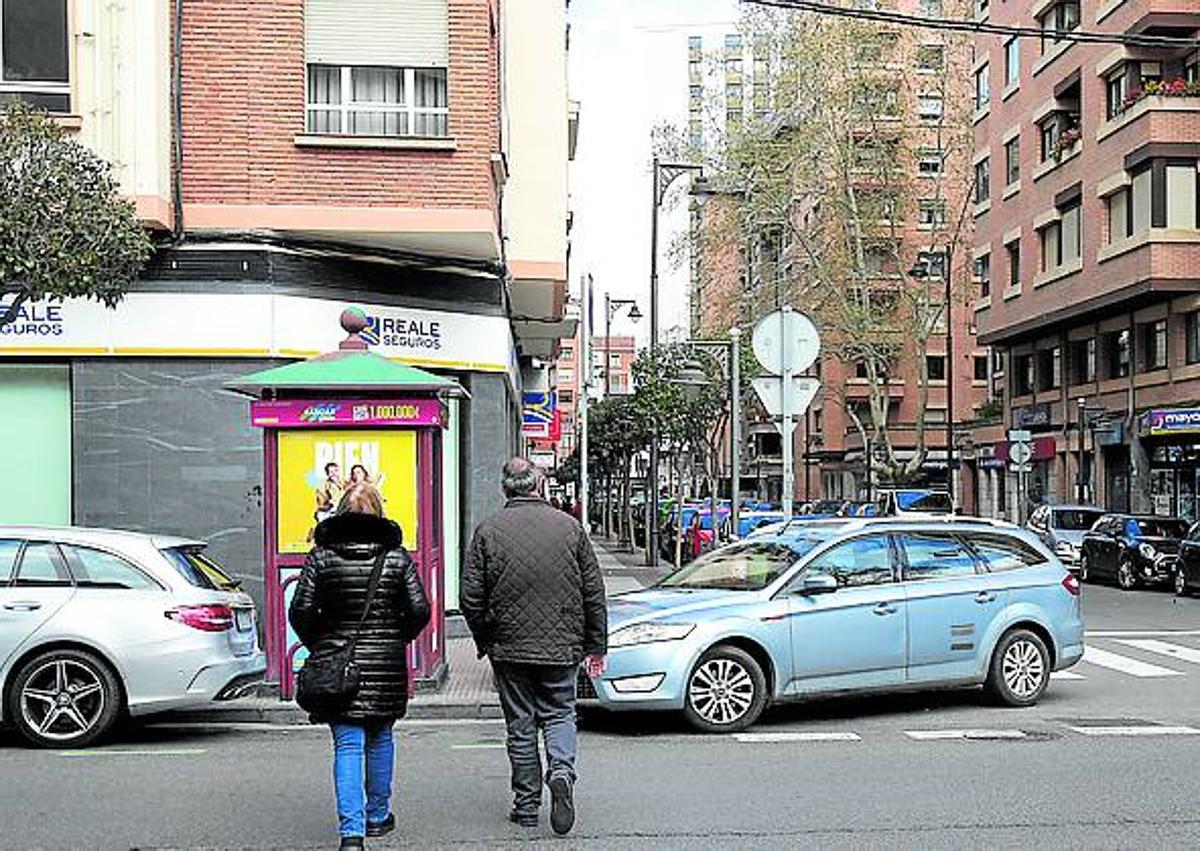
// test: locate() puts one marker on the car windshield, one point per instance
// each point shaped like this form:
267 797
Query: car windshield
827 506
1161 528
1075 519
199 569
741 567
932 502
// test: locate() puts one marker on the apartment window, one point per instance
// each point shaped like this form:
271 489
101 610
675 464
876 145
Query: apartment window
1153 344
1049 131
1062 17
1116 89
931 212
1013 250
880 101
981 7
983 87
1116 354
1192 329
1083 361
929 162
1191 71
1022 375
382 74
34 61
1161 194
936 366
983 180
876 48
929 108
931 8
983 274
1120 215
1061 240
981 368
733 93
1012 61
566 397
733 41
1049 369
931 57
1181 185
1012 161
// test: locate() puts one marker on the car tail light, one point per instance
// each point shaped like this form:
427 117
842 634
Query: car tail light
204 618
1071 583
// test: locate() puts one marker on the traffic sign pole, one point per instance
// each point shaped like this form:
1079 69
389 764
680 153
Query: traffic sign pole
785 395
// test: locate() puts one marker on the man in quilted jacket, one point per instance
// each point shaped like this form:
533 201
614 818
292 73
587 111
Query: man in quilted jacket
533 596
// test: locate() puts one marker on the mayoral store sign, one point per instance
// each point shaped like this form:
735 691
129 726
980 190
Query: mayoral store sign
254 325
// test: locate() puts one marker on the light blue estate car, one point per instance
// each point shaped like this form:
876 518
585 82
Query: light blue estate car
844 606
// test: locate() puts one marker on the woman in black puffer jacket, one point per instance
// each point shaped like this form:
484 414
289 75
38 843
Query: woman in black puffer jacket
325 611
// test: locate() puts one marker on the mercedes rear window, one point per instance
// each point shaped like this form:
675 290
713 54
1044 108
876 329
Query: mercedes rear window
199 569
1075 519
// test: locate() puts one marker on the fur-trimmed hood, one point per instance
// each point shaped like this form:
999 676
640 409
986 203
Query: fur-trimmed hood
353 531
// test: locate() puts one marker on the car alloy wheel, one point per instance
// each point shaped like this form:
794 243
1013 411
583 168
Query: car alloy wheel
1126 577
726 691
64 698
1020 668
1181 586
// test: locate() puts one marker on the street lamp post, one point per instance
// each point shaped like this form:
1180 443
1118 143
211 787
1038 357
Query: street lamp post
922 271
611 307
731 349
663 175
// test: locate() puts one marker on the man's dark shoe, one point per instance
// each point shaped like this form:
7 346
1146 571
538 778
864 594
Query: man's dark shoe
562 805
523 819
382 828
355 842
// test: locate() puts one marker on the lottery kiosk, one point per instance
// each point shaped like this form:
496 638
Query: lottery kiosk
349 415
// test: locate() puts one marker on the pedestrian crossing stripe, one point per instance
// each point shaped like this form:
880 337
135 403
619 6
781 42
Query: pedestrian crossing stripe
1066 675
1126 665
1140 730
1163 648
954 735
776 738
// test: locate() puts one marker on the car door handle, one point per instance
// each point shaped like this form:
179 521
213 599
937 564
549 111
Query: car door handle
885 609
23 606
985 597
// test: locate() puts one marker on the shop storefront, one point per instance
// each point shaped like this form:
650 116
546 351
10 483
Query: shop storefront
132 427
1171 437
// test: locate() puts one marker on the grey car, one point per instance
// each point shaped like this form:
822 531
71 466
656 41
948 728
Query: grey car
98 624
1062 527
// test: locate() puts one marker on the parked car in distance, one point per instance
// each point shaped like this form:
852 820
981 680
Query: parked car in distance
1062 527
1187 575
846 605
97 624
915 502
1132 549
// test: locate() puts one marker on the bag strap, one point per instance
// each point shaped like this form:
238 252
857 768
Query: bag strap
372 587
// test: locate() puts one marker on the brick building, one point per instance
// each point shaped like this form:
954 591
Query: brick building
1087 248
407 158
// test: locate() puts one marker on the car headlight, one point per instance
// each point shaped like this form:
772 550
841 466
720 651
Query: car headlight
644 633
1147 551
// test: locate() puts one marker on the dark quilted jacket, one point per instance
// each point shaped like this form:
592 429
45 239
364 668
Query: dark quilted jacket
531 587
329 601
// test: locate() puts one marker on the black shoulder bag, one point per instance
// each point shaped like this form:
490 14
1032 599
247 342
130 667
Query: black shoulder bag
328 682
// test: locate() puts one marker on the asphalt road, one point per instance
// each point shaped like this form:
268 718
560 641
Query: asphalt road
1109 759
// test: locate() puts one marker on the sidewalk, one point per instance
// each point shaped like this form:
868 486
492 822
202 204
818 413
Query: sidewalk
467 693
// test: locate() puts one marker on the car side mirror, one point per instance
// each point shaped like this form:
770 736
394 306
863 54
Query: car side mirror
818 583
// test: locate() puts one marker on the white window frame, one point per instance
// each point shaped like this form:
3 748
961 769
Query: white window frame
347 107
930 117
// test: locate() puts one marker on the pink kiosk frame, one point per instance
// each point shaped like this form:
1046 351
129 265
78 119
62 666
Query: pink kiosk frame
321 393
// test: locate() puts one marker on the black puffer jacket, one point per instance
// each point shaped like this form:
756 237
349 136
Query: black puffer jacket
329 601
531 587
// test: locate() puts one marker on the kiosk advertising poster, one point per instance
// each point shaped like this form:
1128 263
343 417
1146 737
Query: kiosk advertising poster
316 466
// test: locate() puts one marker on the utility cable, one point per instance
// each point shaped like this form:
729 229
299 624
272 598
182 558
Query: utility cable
978 27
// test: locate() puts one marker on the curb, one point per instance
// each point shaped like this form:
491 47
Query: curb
286 713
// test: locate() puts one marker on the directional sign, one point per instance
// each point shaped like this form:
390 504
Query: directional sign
769 389
1020 454
1020 468
803 342
1019 435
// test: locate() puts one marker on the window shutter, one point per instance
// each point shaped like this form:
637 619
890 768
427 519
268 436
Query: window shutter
398 33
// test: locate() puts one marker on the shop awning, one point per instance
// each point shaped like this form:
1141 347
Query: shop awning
344 372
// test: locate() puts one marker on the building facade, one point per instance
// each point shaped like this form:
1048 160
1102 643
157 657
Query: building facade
1087 250
409 159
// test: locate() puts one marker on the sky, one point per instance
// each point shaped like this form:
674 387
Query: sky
628 70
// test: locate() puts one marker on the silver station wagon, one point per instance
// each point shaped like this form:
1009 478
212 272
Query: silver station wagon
97 624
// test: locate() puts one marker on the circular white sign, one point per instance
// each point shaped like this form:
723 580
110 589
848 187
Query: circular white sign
799 333
1020 453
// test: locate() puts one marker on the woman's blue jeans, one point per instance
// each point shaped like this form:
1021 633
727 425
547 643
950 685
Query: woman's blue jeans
363 755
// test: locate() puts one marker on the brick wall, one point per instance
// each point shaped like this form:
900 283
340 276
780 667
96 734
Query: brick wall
243 106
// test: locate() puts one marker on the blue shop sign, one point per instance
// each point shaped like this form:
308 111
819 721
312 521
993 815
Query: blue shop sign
1158 422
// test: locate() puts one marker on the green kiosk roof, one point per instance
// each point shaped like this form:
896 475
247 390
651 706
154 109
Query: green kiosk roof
347 369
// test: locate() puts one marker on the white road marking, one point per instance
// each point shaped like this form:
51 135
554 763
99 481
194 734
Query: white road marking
1118 633
1066 675
1133 667
127 752
479 746
1142 730
1163 648
939 735
771 738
